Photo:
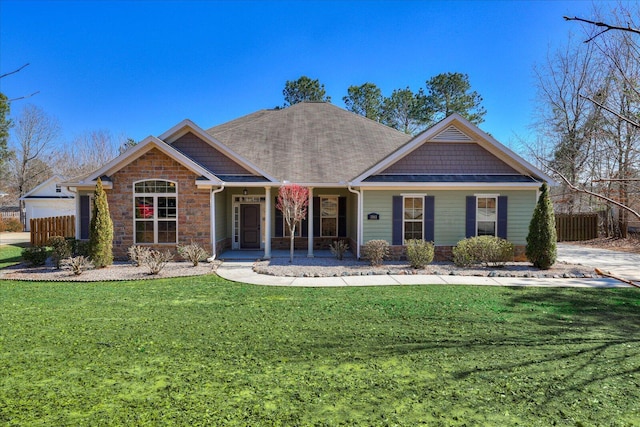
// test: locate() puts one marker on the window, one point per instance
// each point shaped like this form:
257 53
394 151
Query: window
329 216
486 215
156 212
413 217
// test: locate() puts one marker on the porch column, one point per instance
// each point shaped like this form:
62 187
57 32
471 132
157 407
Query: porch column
212 221
310 224
267 223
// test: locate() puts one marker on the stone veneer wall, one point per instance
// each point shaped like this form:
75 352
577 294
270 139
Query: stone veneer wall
193 204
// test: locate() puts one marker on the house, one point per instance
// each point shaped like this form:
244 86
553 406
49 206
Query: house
218 187
48 199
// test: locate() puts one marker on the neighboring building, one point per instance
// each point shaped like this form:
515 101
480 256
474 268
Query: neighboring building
48 199
367 181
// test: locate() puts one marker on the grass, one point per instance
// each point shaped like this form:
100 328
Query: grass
203 351
11 254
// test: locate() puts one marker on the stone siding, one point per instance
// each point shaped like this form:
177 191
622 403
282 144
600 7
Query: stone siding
193 204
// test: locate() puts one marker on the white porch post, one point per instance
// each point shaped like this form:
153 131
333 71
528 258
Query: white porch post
267 223
212 219
310 224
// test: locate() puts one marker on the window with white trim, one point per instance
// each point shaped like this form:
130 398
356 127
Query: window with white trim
413 217
329 216
486 215
155 204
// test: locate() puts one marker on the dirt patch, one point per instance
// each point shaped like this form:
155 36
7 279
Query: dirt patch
630 244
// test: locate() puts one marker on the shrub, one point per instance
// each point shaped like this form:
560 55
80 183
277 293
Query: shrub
541 248
137 254
60 249
376 251
79 247
101 230
338 248
489 251
192 252
419 253
11 224
156 260
77 265
35 255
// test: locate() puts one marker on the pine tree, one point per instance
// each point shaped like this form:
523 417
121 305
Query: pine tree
101 232
541 248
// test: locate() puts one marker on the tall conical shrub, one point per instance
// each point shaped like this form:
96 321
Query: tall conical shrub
101 231
541 248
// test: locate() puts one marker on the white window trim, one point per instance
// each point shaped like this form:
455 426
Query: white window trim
336 216
155 212
404 220
487 196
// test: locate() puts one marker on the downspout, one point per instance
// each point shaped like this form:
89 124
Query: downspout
212 215
360 223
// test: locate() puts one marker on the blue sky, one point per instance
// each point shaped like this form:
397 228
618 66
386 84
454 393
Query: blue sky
138 68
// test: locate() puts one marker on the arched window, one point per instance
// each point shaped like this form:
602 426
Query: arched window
155 204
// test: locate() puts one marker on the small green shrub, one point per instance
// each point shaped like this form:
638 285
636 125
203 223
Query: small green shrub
60 249
79 247
77 265
192 252
375 251
419 253
489 251
338 248
11 224
35 255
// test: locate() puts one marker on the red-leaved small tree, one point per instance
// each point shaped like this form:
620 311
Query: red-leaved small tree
292 202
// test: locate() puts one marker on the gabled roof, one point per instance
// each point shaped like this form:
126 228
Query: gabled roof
309 142
187 126
34 193
138 151
457 129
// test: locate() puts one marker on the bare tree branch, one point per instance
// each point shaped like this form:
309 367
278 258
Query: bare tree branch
618 115
604 25
24 97
599 196
14 71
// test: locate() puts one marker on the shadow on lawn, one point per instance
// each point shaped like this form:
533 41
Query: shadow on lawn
592 334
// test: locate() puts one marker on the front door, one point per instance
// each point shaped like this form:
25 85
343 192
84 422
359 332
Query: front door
250 226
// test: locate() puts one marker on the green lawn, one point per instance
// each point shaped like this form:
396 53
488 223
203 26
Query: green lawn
11 254
203 351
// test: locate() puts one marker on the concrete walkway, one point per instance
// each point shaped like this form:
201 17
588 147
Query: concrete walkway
621 263
10 238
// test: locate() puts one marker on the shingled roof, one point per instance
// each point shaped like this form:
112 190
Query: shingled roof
310 142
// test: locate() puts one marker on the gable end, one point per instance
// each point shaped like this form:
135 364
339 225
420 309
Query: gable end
452 134
204 154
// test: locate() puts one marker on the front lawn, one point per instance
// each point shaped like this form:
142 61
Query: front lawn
203 351
11 254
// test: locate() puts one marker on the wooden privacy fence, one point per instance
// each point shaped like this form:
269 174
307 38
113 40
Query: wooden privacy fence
576 227
42 229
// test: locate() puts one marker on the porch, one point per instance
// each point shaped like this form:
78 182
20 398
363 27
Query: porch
250 255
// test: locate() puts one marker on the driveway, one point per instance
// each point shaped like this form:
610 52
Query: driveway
622 264
9 238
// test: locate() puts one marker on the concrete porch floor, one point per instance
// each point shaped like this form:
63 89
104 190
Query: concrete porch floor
248 255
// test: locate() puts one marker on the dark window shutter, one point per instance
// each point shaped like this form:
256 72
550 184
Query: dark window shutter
85 216
397 221
342 216
470 229
429 218
502 217
316 216
279 230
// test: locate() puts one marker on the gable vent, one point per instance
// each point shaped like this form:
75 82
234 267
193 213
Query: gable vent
452 134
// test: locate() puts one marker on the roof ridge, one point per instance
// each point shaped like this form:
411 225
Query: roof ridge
245 117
